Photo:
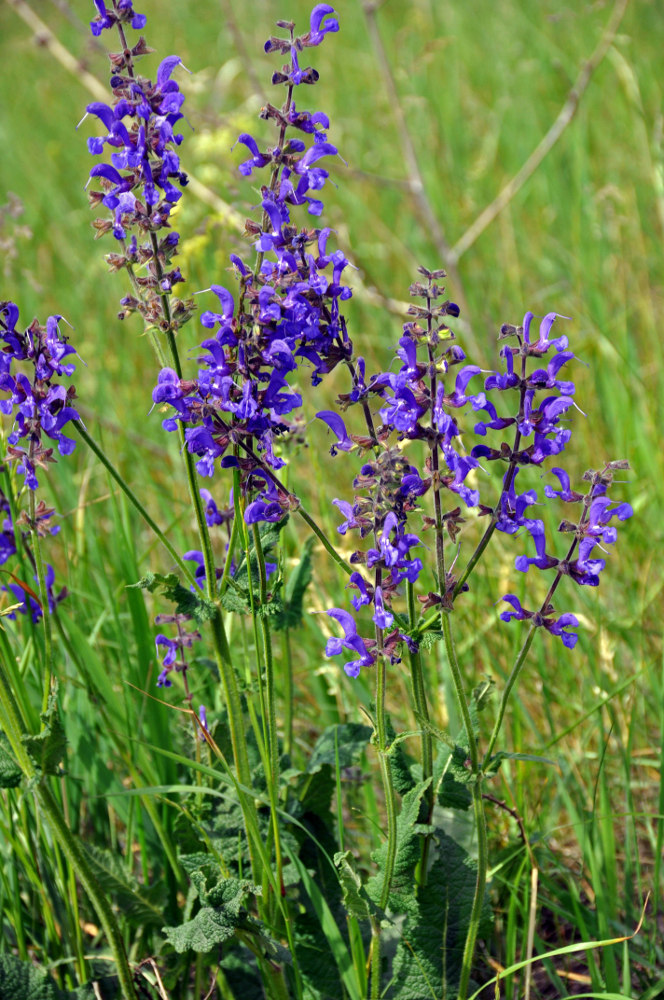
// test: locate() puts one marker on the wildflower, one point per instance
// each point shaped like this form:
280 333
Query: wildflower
40 406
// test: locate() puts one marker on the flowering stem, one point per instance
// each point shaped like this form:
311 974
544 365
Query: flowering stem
507 484
511 681
521 658
478 898
14 729
221 647
131 496
327 544
422 713
375 959
273 743
43 597
478 808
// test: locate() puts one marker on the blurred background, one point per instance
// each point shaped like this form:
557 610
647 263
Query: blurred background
521 147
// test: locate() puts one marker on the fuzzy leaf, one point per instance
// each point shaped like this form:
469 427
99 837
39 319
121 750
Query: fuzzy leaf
208 928
354 895
216 923
236 600
453 791
136 904
48 748
351 739
409 831
429 640
22 981
428 958
10 772
319 780
186 602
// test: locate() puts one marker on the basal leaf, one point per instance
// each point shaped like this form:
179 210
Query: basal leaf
216 922
22 981
48 748
10 772
409 832
208 929
429 955
137 904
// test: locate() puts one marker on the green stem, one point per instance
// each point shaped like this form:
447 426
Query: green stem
131 496
273 743
288 692
422 711
375 960
43 597
71 848
459 690
478 898
388 785
511 681
327 544
478 806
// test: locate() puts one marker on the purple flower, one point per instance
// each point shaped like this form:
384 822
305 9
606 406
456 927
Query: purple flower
318 28
351 642
556 626
337 426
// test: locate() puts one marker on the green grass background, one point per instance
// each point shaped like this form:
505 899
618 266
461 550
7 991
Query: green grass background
478 84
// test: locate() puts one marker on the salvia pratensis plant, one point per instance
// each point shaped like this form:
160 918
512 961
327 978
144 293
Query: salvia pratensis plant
277 904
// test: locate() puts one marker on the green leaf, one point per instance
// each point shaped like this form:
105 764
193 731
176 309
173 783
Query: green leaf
208 928
10 772
318 783
215 923
186 602
298 581
236 600
452 778
48 748
429 955
401 763
482 693
409 832
429 640
354 895
137 905
22 981
351 739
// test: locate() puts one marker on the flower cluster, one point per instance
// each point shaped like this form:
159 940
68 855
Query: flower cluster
418 402
39 404
141 181
580 563
240 407
413 406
